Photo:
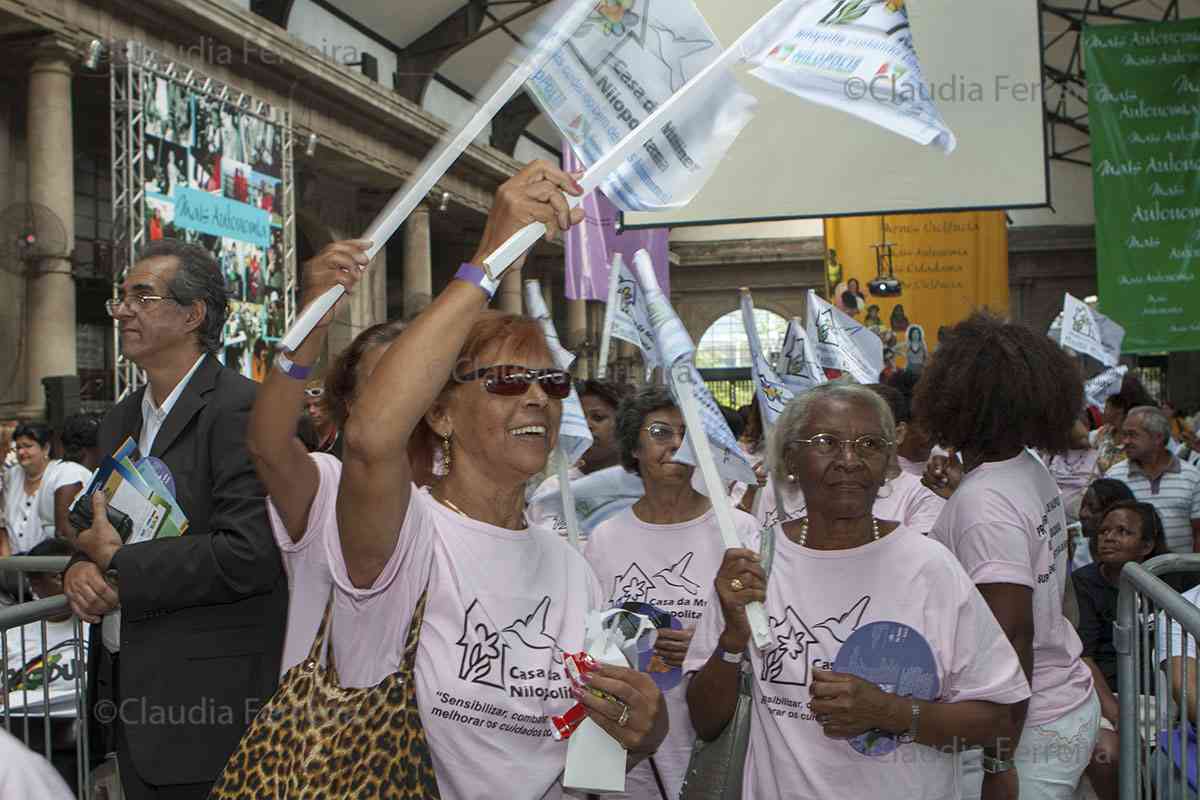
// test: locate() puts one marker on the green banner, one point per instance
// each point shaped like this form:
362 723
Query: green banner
1144 113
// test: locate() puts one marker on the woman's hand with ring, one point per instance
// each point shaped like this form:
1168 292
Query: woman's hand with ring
740 581
636 716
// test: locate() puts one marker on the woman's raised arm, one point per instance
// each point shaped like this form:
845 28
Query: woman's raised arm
287 471
376 476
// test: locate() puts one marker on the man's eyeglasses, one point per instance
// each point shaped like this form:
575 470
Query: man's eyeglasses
865 447
509 380
135 302
662 432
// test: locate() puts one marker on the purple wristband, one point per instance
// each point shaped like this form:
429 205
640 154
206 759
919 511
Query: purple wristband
290 368
472 274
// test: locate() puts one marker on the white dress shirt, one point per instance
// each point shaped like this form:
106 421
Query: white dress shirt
152 421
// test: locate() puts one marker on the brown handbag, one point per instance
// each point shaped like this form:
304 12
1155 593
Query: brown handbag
316 739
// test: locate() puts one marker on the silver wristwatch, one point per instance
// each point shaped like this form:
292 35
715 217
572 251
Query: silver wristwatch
910 735
994 766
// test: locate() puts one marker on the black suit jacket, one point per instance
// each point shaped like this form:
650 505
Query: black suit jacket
202 615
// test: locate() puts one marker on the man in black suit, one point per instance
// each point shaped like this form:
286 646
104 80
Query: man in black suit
192 626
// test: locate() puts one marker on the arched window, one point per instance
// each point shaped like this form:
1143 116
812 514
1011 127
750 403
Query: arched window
726 346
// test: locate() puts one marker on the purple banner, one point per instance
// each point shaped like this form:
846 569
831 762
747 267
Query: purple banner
590 244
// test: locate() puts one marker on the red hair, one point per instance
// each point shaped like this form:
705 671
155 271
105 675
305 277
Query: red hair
493 332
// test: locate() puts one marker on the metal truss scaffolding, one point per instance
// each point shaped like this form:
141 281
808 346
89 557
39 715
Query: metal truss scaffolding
1063 70
135 70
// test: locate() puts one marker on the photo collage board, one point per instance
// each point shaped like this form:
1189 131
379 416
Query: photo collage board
214 176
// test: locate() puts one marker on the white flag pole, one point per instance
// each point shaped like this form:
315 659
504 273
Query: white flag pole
756 614
438 164
568 500
527 237
614 282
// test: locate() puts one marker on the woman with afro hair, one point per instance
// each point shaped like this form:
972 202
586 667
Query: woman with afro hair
995 391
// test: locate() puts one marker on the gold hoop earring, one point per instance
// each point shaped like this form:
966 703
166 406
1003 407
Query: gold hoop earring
445 454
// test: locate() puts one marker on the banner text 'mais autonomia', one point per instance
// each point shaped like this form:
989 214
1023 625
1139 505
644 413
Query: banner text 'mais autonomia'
1144 108
219 216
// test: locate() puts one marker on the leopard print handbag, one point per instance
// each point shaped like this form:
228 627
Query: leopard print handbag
315 739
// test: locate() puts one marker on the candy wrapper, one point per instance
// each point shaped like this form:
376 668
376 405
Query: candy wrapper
596 761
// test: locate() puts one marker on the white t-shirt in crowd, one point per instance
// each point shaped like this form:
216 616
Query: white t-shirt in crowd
489 670
816 599
20 512
1006 524
58 474
902 499
27 675
24 773
1177 644
672 568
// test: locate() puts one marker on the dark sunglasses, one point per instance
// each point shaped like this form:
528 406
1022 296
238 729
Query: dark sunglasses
510 380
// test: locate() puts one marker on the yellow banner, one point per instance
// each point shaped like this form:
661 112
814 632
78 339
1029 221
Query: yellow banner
948 266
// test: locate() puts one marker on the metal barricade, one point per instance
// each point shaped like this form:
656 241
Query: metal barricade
1156 625
28 674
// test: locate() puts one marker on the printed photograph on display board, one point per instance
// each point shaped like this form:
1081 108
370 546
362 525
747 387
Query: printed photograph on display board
214 176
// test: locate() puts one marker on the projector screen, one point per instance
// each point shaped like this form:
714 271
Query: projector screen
797 159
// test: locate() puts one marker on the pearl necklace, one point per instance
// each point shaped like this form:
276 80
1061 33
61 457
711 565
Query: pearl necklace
804 530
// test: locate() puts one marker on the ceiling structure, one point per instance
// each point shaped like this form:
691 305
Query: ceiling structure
1063 69
465 59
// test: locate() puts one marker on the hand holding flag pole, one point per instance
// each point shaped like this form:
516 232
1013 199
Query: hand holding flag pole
676 352
439 161
745 45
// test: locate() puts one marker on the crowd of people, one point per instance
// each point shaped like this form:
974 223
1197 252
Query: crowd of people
366 541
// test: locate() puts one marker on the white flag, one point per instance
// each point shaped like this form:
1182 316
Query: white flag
574 436
1080 329
843 344
1103 386
856 56
797 365
628 58
773 396
630 318
675 349
597 497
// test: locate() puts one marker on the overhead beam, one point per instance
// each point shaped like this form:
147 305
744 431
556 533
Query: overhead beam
511 121
277 11
417 63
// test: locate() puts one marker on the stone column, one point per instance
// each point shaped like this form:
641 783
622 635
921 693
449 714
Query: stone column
577 334
50 331
418 262
509 297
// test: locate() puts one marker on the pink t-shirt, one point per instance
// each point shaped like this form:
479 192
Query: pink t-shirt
907 501
489 670
902 499
670 567
816 600
1006 524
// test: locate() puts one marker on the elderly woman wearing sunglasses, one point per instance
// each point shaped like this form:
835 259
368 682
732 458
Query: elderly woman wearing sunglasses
884 657
658 557
477 391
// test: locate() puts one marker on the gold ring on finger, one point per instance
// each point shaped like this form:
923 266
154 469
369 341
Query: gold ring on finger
737 585
623 720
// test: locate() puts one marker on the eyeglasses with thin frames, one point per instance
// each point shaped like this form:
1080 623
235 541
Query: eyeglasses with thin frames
868 447
662 432
135 303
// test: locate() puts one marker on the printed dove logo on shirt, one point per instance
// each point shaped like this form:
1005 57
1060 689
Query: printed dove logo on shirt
789 662
486 653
